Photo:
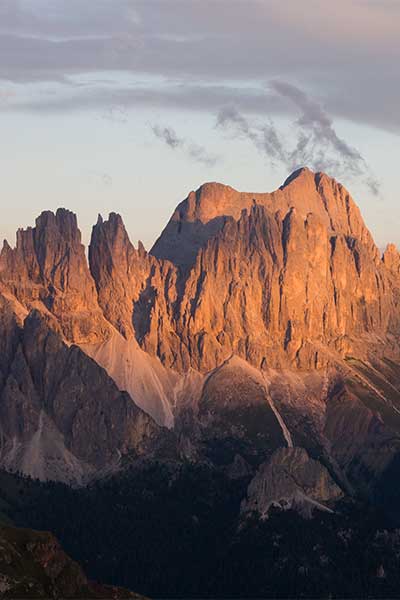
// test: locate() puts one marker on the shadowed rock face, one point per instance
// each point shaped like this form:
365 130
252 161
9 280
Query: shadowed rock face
289 478
236 417
61 415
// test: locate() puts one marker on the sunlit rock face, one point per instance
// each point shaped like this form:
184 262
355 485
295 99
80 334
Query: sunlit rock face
257 322
127 278
48 270
204 212
275 278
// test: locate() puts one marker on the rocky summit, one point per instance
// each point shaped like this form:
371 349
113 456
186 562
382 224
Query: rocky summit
260 334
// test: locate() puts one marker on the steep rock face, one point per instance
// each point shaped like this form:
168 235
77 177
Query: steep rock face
130 283
136 293
279 279
61 416
48 270
290 283
204 212
280 289
275 278
391 258
291 479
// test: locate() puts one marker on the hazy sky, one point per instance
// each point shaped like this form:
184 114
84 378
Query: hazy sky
127 105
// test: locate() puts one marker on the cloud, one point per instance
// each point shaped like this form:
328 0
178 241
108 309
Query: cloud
191 149
313 141
188 42
200 154
168 135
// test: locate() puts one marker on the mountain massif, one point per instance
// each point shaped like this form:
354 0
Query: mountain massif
258 338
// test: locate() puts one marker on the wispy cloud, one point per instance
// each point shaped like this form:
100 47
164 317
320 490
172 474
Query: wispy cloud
194 151
313 141
168 135
52 41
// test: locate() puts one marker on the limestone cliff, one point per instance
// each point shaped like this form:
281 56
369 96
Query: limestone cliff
48 270
277 278
254 320
61 416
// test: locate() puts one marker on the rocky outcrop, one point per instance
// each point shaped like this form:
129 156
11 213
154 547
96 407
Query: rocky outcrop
33 565
136 292
48 270
274 278
291 479
391 259
128 281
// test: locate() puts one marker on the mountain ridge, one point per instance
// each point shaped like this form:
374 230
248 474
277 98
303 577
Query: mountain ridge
289 282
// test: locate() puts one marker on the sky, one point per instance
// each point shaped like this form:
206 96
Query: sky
127 105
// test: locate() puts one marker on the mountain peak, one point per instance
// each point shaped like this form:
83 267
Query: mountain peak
48 270
111 233
204 212
63 222
300 173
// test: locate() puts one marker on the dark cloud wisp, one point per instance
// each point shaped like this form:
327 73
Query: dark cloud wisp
194 151
313 142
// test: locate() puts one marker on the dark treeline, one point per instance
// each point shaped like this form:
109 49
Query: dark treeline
175 532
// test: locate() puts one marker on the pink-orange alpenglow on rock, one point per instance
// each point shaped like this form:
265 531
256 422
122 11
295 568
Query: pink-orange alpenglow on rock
257 322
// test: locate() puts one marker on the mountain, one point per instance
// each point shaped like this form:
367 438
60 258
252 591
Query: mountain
257 341
61 416
290 283
295 271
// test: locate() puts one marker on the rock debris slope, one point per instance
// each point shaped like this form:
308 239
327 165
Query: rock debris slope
61 416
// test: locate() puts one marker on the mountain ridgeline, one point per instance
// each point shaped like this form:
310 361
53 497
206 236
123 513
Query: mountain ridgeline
258 340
